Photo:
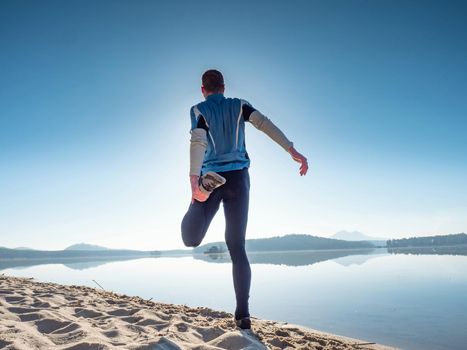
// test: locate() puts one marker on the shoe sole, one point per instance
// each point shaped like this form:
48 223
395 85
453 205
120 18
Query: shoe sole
216 178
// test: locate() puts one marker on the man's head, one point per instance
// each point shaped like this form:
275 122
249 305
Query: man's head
212 82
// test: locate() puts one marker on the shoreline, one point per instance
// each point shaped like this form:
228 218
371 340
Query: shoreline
43 315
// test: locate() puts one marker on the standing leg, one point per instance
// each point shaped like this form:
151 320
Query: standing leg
236 200
196 221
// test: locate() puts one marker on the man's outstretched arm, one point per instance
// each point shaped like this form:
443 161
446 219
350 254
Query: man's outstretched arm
263 123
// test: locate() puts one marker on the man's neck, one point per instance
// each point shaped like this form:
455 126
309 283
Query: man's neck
212 93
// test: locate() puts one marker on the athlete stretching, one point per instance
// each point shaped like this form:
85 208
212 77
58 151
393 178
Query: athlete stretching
219 166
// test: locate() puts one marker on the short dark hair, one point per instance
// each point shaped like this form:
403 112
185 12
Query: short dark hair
212 80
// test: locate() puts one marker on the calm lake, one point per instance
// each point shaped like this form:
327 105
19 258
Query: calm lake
411 301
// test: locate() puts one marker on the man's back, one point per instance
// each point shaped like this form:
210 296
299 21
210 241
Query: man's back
222 118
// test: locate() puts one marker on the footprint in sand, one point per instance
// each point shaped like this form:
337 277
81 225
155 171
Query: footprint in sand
32 316
181 327
4 343
163 316
282 333
123 312
158 325
209 333
61 332
6 291
113 333
42 305
132 319
296 331
163 344
88 346
186 319
87 313
135 328
316 340
280 343
14 299
48 326
22 310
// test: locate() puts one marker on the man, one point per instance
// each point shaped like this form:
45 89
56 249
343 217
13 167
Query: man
219 166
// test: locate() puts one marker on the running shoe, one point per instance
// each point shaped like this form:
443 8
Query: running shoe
243 323
210 181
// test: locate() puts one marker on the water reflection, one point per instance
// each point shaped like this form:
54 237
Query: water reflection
452 250
72 263
288 258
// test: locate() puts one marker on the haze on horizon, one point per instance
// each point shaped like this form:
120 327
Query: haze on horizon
94 117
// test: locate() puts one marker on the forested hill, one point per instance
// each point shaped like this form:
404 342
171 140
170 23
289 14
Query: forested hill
431 241
292 242
6 253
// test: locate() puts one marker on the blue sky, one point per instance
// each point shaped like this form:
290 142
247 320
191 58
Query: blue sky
94 116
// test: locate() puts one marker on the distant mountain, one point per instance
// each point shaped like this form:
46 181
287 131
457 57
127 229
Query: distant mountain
85 246
355 236
18 248
289 243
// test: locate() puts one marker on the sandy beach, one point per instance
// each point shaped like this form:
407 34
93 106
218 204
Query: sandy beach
36 315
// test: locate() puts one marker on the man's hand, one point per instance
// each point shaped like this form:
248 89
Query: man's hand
300 159
195 191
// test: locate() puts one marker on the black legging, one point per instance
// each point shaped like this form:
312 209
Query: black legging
235 196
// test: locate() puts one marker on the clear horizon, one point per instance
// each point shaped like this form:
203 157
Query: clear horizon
94 117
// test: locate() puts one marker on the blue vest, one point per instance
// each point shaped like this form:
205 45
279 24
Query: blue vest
226 135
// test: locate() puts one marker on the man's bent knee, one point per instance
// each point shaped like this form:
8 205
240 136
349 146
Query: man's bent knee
189 242
192 244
